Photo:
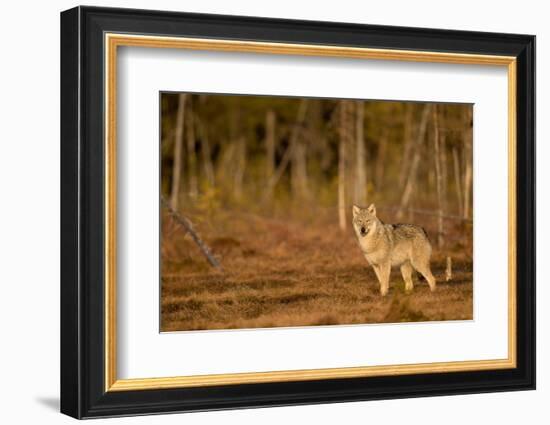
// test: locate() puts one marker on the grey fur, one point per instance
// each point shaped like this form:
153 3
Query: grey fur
387 245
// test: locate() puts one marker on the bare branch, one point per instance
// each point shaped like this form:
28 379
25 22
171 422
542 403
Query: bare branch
188 226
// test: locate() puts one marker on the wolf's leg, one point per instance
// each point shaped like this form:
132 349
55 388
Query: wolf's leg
384 270
406 271
376 269
423 268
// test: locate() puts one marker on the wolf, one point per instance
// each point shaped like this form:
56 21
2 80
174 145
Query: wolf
387 245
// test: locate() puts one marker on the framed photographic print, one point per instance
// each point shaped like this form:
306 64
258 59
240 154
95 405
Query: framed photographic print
261 212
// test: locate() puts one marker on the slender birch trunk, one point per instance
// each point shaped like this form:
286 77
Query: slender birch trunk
444 171
270 143
407 145
360 193
413 169
177 164
288 155
344 124
468 165
240 167
206 154
191 153
458 184
225 165
299 182
438 177
381 161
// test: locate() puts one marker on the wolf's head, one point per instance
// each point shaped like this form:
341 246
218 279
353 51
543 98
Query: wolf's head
364 220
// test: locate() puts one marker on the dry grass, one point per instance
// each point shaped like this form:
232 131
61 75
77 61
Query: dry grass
279 273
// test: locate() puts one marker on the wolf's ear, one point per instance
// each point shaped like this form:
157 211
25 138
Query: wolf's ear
356 210
372 210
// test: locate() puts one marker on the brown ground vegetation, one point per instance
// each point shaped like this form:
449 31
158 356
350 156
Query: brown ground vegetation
281 273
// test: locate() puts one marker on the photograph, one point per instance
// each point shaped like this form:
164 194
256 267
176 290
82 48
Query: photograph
289 211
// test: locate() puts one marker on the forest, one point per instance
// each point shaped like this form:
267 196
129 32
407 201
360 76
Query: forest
257 193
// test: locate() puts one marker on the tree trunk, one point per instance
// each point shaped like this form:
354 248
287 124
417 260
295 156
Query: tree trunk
411 178
206 153
345 115
468 165
299 182
438 177
191 153
381 161
360 193
225 166
458 185
240 167
178 143
407 144
270 143
444 171
289 151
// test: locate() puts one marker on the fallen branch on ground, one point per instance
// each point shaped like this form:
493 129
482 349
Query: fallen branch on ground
188 226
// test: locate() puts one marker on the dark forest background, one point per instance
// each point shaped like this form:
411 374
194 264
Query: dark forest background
274 154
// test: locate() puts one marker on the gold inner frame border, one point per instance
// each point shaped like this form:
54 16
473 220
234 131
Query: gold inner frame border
113 41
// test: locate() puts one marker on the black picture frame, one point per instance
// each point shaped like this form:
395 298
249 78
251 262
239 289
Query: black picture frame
82 219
